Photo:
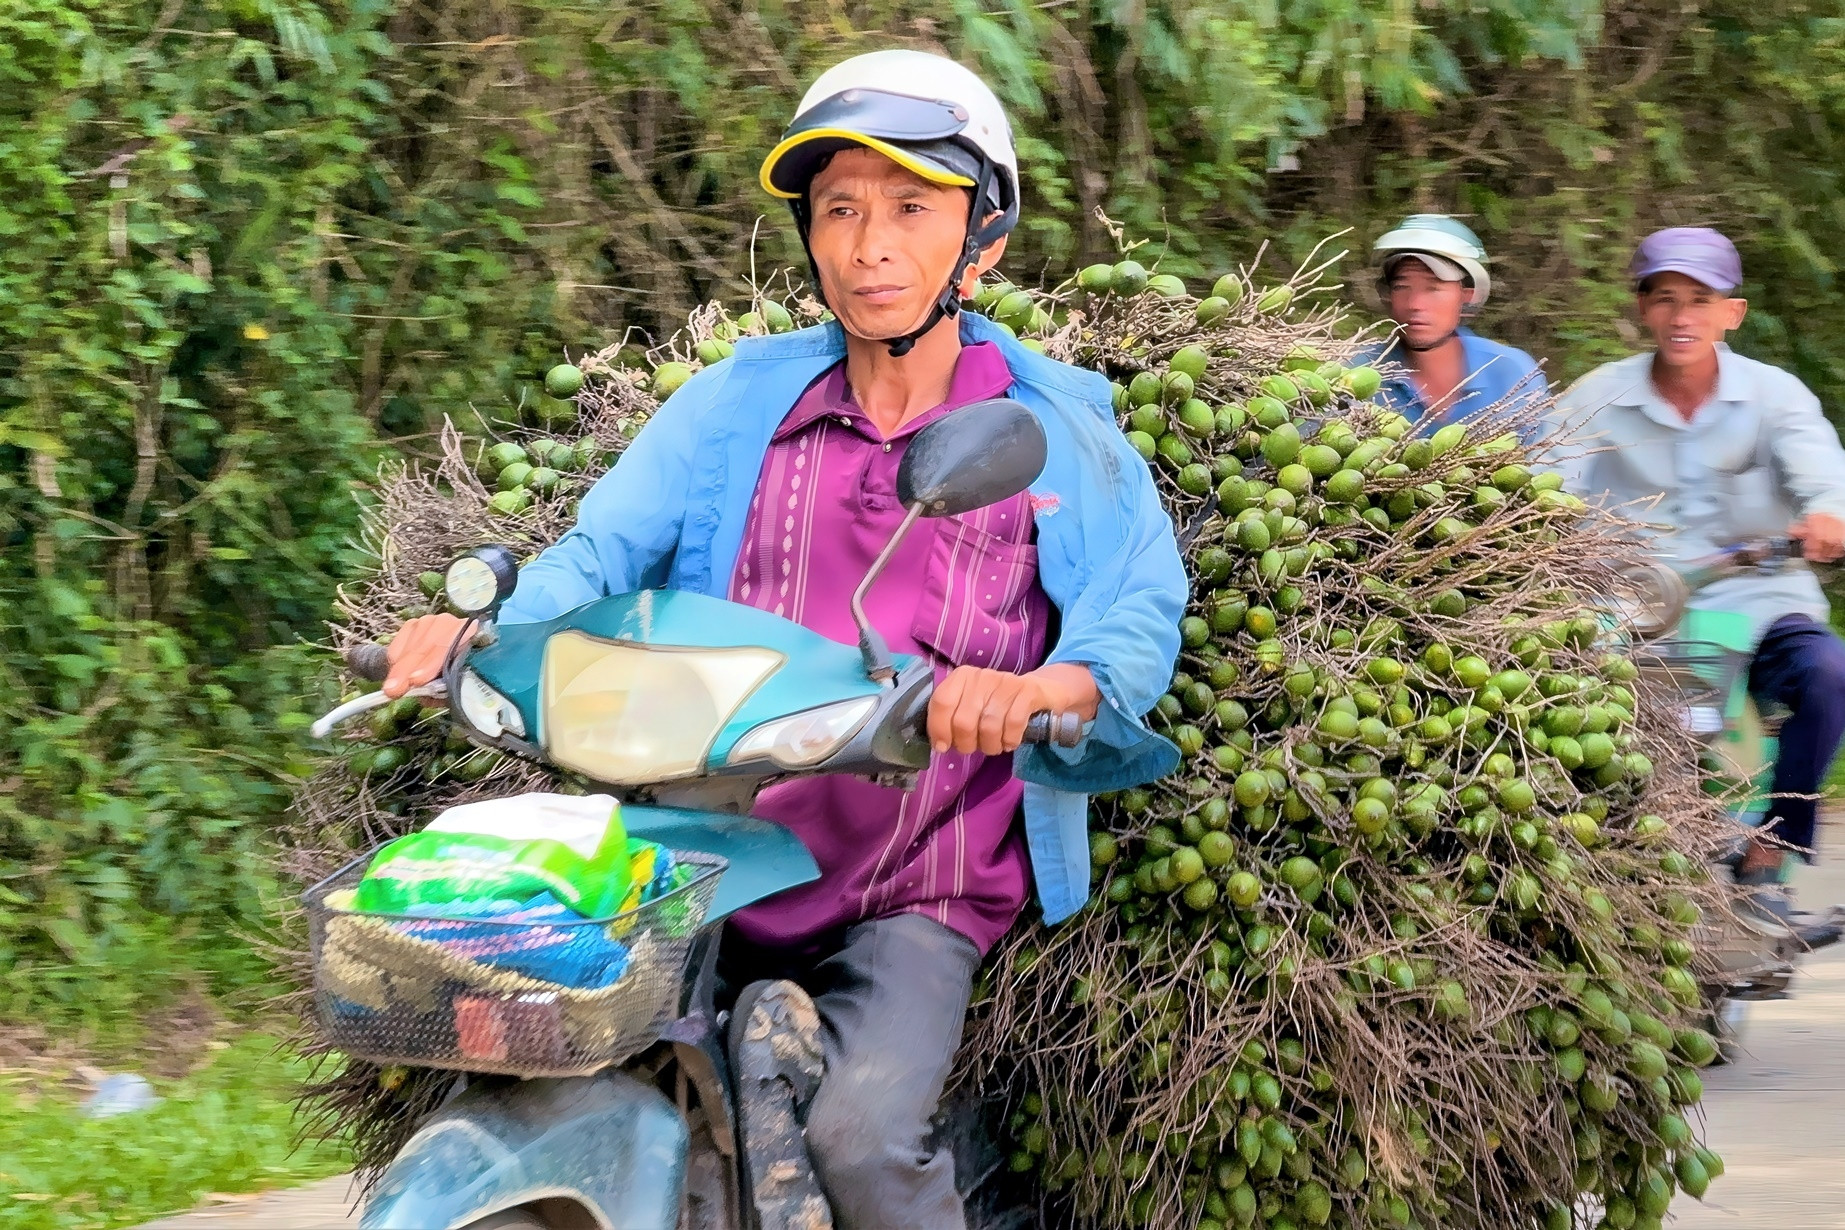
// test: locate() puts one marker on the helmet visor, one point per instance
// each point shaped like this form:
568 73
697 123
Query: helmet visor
1443 268
915 133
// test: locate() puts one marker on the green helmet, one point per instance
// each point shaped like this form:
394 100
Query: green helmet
1458 253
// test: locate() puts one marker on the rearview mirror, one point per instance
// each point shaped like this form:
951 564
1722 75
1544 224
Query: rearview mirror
978 455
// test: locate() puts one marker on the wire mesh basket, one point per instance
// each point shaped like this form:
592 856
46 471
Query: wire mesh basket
551 998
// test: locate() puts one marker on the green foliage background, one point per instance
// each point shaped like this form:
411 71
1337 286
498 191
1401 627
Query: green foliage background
251 248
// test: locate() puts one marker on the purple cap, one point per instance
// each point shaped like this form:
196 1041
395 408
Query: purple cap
1695 251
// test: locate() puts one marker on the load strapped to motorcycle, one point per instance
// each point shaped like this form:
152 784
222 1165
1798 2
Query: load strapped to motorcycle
1408 940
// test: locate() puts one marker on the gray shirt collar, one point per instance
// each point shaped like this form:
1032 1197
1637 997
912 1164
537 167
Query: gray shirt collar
1735 383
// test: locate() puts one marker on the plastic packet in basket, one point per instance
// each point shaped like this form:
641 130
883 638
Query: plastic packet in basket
504 852
523 941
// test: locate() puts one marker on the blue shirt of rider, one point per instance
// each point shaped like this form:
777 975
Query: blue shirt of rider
1498 377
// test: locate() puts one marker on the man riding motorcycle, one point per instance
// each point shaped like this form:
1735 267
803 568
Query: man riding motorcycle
1432 274
1731 448
769 479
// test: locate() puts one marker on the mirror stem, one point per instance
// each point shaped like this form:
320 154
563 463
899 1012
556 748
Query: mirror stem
871 646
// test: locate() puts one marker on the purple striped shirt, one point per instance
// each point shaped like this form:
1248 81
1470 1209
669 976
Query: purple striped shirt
960 591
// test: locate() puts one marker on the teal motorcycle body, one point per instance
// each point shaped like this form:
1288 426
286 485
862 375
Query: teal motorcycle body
611 1147
1718 645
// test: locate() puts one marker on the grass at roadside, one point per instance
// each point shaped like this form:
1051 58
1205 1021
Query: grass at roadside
225 1128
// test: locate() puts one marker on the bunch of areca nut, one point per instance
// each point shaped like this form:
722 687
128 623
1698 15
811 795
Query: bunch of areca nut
1406 941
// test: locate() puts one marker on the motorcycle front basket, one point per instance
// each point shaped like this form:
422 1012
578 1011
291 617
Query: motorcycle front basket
561 997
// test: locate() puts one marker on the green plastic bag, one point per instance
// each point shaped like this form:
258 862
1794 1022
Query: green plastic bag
505 852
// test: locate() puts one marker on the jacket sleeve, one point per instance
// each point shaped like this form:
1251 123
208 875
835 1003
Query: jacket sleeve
628 523
1124 625
1807 452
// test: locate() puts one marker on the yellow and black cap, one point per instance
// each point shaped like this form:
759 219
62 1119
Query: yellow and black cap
917 134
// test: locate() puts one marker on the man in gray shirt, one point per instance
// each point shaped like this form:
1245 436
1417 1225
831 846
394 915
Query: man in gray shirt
1730 449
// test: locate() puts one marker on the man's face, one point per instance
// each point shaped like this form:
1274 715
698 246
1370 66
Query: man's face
885 242
1686 317
1427 308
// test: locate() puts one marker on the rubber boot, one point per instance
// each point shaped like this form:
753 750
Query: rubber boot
775 1041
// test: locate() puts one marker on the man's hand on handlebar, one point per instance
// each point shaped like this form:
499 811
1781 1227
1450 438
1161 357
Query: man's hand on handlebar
420 649
986 711
1821 535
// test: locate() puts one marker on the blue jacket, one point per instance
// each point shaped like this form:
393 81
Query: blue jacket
1495 373
671 515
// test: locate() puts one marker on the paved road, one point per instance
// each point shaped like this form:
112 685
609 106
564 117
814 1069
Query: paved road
1777 1116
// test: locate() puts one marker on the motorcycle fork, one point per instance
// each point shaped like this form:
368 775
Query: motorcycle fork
702 1093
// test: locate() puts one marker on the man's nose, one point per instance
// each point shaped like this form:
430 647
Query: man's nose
872 244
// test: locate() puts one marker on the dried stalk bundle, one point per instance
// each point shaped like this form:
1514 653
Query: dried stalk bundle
1406 940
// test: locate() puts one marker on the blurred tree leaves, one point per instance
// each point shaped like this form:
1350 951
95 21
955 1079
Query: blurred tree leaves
249 248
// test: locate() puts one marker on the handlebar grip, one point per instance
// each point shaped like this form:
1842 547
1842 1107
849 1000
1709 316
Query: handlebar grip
369 661
1063 729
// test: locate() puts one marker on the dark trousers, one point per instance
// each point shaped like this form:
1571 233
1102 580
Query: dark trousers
1800 665
892 996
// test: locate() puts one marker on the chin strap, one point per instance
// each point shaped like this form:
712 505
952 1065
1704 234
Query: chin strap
1437 345
980 236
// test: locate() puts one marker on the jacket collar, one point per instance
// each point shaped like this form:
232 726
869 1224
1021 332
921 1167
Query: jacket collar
980 372
828 341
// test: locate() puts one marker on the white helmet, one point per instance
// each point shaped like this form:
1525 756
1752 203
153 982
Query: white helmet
1457 253
924 112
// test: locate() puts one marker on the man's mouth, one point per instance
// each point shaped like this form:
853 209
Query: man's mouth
880 294
1681 339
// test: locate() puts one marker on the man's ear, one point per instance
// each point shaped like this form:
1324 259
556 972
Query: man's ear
1737 309
988 259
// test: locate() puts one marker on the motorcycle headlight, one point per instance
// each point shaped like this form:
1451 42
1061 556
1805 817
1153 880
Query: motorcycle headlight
805 739
629 715
486 710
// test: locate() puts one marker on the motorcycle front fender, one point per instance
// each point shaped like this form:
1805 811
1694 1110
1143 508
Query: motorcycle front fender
606 1142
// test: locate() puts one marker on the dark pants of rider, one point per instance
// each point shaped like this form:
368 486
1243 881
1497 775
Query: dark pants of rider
1800 664
892 996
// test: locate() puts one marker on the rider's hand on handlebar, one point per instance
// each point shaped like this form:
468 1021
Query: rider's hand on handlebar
1821 535
986 711
419 651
